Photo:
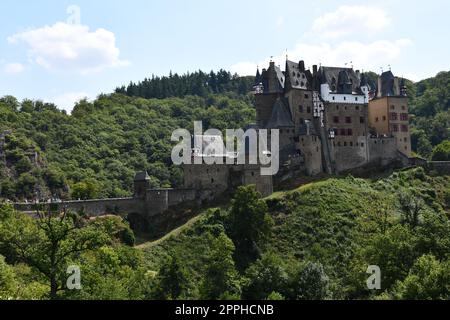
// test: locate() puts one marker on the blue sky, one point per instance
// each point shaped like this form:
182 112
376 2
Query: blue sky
49 52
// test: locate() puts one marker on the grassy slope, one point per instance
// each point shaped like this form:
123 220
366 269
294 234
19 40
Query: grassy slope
319 221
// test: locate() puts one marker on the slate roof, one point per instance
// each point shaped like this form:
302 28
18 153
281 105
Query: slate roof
387 84
281 115
141 176
280 76
338 78
295 77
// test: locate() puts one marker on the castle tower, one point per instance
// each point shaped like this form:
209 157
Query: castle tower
388 112
272 88
141 184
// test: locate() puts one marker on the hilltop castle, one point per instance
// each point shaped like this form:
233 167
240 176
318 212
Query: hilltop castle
330 120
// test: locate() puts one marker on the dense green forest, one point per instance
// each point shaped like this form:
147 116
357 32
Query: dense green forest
97 150
198 83
314 242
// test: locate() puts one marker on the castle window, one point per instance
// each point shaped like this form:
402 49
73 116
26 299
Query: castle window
212 180
356 99
333 98
308 109
376 119
404 128
337 107
345 98
253 174
345 144
351 144
395 127
406 139
302 84
393 116
392 107
361 120
362 144
348 120
306 96
357 107
300 109
404 117
403 108
336 119
350 132
384 118
343 132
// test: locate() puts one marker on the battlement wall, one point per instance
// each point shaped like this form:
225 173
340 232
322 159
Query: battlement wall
122 206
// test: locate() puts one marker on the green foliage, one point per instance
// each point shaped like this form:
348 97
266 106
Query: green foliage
428 279
50 243
322 239
265 277
310 282
441 152
171 281
197 83
221 278
110 139
249 224
85 190
7 280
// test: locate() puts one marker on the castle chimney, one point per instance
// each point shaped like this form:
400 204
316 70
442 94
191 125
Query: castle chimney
301 65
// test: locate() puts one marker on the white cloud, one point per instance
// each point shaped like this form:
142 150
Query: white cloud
14 68
71 47
280 22
348 20
67 100
370 56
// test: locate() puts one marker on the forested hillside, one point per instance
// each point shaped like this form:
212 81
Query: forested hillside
314 242
95 151
317 242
